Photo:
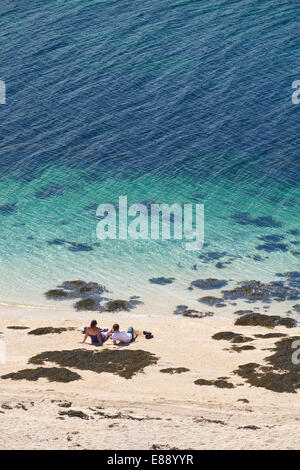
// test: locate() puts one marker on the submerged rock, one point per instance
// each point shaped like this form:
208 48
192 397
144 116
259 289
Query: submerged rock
212 301
162 280
209 283
8 209
256 290
90 294
56 294
53 190
243 218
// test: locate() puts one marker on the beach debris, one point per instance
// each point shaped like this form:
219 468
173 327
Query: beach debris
162 280
125 363
269 321
217 383
174 370
243 400
148 334
65 404
74 414
53 374
251 427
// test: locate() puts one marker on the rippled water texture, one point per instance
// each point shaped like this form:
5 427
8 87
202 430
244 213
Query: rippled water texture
162 101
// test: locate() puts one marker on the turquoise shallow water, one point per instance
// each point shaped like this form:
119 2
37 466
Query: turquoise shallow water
177 102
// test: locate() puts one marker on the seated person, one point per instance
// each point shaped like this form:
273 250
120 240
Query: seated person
121 336
96 334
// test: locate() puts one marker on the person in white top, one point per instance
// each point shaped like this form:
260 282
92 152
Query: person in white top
121 336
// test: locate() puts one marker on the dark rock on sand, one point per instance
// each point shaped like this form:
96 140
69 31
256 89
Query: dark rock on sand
280 374
296 308
125 363
209 283
88 303
53 374
18 327
217 383
191 313
243 312
162 280
74 414
269 321
231 336
48 330
239 349
119 305
271 335
174 370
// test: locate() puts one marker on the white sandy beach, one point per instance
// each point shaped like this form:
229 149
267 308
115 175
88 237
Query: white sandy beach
151 409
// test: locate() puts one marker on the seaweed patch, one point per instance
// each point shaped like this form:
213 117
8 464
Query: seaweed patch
125 363
53 374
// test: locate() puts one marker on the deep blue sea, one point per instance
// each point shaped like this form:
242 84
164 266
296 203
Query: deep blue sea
163 101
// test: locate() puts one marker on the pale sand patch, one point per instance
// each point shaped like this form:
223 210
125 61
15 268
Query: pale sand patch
187 412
